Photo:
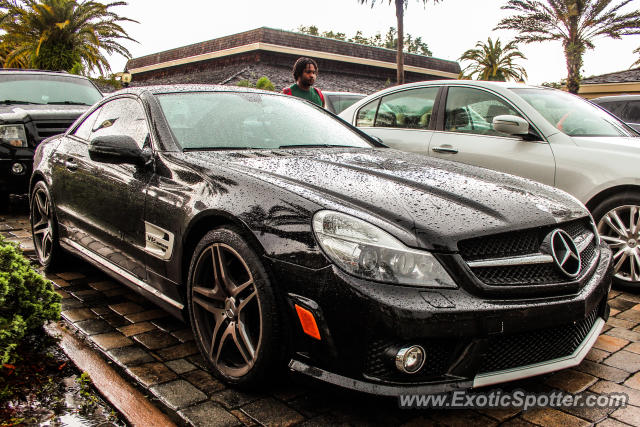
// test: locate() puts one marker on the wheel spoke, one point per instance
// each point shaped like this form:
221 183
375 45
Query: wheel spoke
47 243
227 332
614 242
237 337
245 285
214 336
209 293
633 224
38 225
246 301
621 261
221 273
619 226
635 265
41 230
244 337
209 306
41 203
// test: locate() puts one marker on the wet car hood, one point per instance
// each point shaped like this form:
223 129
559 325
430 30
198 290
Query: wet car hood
25 113
439 202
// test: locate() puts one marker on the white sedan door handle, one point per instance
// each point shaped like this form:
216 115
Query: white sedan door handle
445 149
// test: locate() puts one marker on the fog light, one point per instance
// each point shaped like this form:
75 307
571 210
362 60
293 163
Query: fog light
17 168
410 359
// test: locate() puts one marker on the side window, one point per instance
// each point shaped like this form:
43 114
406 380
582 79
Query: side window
367 114
631 113
122 116
615 107
471 110
84 130
410 109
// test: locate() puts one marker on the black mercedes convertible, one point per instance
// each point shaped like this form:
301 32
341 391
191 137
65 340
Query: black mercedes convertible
288 238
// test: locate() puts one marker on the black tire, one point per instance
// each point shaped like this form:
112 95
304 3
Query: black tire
618 221
233 309
44 227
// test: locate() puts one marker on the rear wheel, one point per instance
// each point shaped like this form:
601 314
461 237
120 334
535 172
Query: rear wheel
233 309
618 222
44 227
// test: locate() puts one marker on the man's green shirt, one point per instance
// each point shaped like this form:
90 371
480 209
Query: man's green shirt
310 95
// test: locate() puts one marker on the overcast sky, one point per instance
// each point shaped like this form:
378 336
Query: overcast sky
449 28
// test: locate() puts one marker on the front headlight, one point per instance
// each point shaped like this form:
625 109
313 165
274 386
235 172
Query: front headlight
366 251
13 135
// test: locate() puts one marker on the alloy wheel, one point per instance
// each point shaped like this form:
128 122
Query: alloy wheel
227 310
42 224
620 228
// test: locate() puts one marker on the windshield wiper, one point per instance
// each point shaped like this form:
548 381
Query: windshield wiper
66 103
316 146
219 148
16 101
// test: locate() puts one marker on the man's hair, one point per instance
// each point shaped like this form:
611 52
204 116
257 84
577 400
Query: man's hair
300 65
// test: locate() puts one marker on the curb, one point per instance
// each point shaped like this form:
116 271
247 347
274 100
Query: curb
132 404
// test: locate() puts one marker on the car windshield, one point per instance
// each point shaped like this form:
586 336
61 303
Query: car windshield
236 120
571 114
24 88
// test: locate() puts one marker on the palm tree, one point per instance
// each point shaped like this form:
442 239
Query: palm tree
637 63
60 34
401 5
490 61
576 23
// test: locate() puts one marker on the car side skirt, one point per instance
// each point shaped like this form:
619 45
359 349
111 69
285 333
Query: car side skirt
174 307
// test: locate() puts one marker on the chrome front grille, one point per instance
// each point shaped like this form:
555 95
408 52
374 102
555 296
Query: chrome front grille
516 259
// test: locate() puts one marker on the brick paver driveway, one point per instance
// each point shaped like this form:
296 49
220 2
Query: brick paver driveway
158 354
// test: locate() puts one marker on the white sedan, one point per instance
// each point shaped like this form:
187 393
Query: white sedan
539 133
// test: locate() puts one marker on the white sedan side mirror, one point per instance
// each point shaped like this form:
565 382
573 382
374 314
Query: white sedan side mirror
512 125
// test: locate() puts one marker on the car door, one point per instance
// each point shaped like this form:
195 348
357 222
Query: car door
402 120
111 225
466 135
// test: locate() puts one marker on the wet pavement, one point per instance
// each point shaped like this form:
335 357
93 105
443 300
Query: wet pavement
157 354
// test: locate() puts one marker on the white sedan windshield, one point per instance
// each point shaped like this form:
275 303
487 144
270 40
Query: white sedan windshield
573 115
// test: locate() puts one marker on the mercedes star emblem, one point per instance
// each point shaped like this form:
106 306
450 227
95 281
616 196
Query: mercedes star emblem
565 253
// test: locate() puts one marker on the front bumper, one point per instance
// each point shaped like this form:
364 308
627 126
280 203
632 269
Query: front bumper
480 380
470 341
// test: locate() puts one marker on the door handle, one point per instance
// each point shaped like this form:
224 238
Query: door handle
71 164
445 149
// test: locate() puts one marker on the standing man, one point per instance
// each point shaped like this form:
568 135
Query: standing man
305 72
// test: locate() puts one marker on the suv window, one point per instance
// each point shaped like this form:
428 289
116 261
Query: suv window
631 113
470 110
53 89
615 107
340 102
122 116
410 109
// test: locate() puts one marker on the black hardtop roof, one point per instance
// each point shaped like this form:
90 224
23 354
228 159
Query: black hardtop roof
184 88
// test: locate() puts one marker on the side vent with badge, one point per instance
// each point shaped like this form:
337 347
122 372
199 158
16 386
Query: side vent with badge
158 242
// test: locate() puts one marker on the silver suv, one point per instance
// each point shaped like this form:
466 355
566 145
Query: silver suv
539 133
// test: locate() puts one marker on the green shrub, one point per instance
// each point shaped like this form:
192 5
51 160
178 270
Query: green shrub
27 300
244 83
264 83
